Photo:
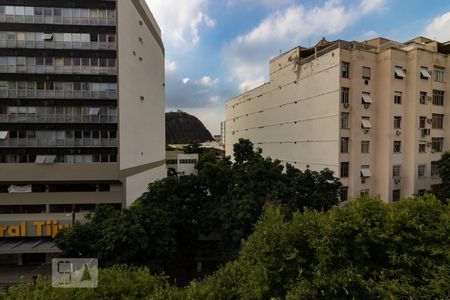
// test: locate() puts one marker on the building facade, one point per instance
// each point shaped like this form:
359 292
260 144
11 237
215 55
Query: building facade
81 115
375 113
181 163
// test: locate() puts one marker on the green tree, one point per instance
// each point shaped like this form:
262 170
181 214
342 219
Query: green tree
443 190
163 227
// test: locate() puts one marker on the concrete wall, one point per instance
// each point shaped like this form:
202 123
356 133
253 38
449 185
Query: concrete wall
294 117
141 96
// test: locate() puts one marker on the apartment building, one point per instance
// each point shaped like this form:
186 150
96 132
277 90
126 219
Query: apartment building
81 115
374 112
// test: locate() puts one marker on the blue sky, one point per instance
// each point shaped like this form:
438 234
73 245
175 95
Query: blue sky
216 49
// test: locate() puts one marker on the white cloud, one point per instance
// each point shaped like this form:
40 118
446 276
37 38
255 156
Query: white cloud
247 55
180 21
267 3
439 28
369 35
368 6
171 66
248 85
208 81
185 80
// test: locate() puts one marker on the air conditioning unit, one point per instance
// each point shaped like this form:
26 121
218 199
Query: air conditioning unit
366 131
366 105
426 131
398 132
363 180
346 105
429 144
430 121
430 98
397 180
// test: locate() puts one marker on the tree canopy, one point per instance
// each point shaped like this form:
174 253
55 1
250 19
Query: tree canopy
162 229
364 249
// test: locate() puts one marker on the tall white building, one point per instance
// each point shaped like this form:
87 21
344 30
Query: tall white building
81 115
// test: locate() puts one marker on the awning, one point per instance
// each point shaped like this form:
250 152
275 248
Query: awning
366 98
399 72
13 189
47 36
45 159
93 111
366 124
425 73
24 246
365 172
3 135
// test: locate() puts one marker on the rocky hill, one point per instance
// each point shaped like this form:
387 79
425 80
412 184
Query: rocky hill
183 128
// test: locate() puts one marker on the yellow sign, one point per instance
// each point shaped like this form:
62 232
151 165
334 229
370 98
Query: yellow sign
41 228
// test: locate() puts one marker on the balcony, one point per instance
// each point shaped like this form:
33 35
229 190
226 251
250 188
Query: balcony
58 70
58 45
40 94
58 20
29 142
59 172
35 118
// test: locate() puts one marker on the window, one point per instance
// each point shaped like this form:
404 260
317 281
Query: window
438 121
344 144
345 168
397 146
437 144
365 123
438 74
345 69
365 146
438 97
345 92
366 73
422 146
397 97
434 168
399 72
343 194
396 171
396 195
345 120
423 97
421 171
366 98
422 122
424 73
397 122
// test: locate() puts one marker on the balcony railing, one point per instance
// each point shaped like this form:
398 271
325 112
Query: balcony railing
35 118
58 45
58 20
58 70
57 94
58 143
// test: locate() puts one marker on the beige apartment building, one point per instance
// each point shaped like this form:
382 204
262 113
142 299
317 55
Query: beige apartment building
375 112
81 115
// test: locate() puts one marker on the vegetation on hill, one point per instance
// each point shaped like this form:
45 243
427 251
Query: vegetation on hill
183 128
